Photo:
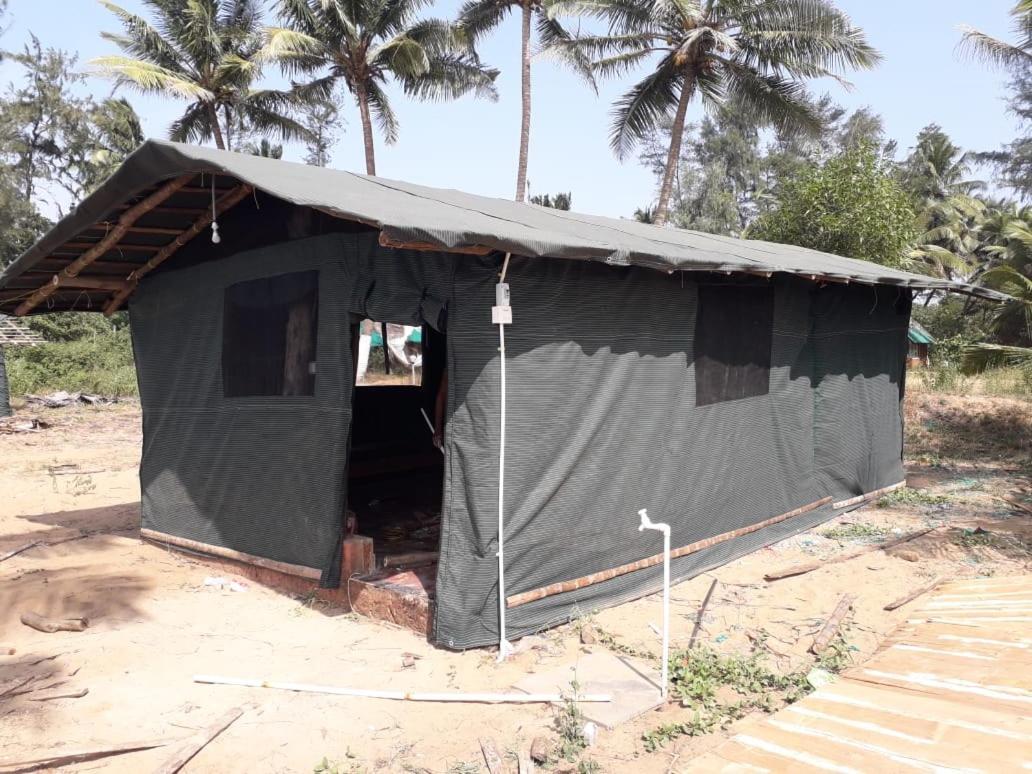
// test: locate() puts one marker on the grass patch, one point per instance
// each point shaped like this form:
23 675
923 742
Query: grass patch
722 688
854 532
911 497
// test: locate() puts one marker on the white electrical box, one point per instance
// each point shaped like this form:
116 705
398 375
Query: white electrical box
501 315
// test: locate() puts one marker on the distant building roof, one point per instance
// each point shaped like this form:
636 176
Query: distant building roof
918 334
16 334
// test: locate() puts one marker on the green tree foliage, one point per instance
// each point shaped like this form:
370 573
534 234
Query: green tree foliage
363 45
851 205
324 124
561 201
748 56
209 53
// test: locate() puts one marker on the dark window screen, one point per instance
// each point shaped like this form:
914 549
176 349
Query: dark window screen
269 336
733 333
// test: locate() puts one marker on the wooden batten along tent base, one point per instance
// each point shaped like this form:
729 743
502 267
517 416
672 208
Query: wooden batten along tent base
111 239
227 553
598 577
867 496
126 289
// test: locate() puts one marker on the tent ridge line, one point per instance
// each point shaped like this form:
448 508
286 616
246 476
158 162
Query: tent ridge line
125 220
598 577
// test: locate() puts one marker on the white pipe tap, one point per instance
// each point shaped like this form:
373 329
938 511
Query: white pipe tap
647 523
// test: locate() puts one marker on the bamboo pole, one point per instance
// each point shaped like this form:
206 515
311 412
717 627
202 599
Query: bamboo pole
228 553
832 625
125 220
369 693
598 577
166 252
869 495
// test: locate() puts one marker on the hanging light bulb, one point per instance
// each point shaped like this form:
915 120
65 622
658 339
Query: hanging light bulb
215 238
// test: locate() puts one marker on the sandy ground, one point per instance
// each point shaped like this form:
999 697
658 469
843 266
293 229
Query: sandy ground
154 624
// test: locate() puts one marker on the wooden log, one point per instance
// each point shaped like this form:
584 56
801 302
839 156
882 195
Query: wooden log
194 744
412 557
913 594
59 759
19 549
867 496
598 577
166 252
89 283
51 625
386 241
802 569
229 553
832 625
125 220
491 757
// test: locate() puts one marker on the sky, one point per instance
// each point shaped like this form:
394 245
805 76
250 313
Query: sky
472 144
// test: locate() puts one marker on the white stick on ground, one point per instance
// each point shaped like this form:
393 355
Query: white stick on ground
472 698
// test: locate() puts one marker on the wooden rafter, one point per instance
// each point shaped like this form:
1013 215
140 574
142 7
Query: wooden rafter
386 241
105 226
127 219
129 285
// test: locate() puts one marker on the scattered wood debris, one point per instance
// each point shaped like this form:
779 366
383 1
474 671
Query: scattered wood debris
1015 503
68 695
62 399
51 625
19 549
913 594
492 759
194 744
12 425
832 625
540 749
802 569
58 759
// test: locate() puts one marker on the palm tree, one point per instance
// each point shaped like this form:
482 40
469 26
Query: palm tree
362 43
748 55
478 17
208 52
1000 52
1010 271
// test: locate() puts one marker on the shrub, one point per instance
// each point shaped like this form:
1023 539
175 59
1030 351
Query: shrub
101 364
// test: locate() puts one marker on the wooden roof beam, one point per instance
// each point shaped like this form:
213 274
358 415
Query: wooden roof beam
126 288
127 219
137 229
386 241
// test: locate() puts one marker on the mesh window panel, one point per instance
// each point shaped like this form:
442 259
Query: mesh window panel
733 334
269 336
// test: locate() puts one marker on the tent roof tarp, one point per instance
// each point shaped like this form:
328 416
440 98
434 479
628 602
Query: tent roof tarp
917 334
450 220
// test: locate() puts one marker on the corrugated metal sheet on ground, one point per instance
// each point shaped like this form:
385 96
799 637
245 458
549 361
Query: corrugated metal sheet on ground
950 690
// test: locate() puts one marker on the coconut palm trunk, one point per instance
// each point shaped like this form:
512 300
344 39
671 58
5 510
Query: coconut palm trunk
220 141
521 171
367 129
674 153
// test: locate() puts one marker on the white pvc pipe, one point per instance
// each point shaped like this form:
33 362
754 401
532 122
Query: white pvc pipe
647 523
504 648
473 698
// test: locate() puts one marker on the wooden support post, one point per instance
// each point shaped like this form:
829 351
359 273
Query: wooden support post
356 557
166 252
125 220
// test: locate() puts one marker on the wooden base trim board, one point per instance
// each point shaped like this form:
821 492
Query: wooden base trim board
598 577
227 553
869 495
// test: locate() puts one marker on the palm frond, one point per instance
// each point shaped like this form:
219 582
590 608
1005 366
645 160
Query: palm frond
992 50
382 112
555 44
638 113
450 76
148 78
478 17
775 101
982 357
141 40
